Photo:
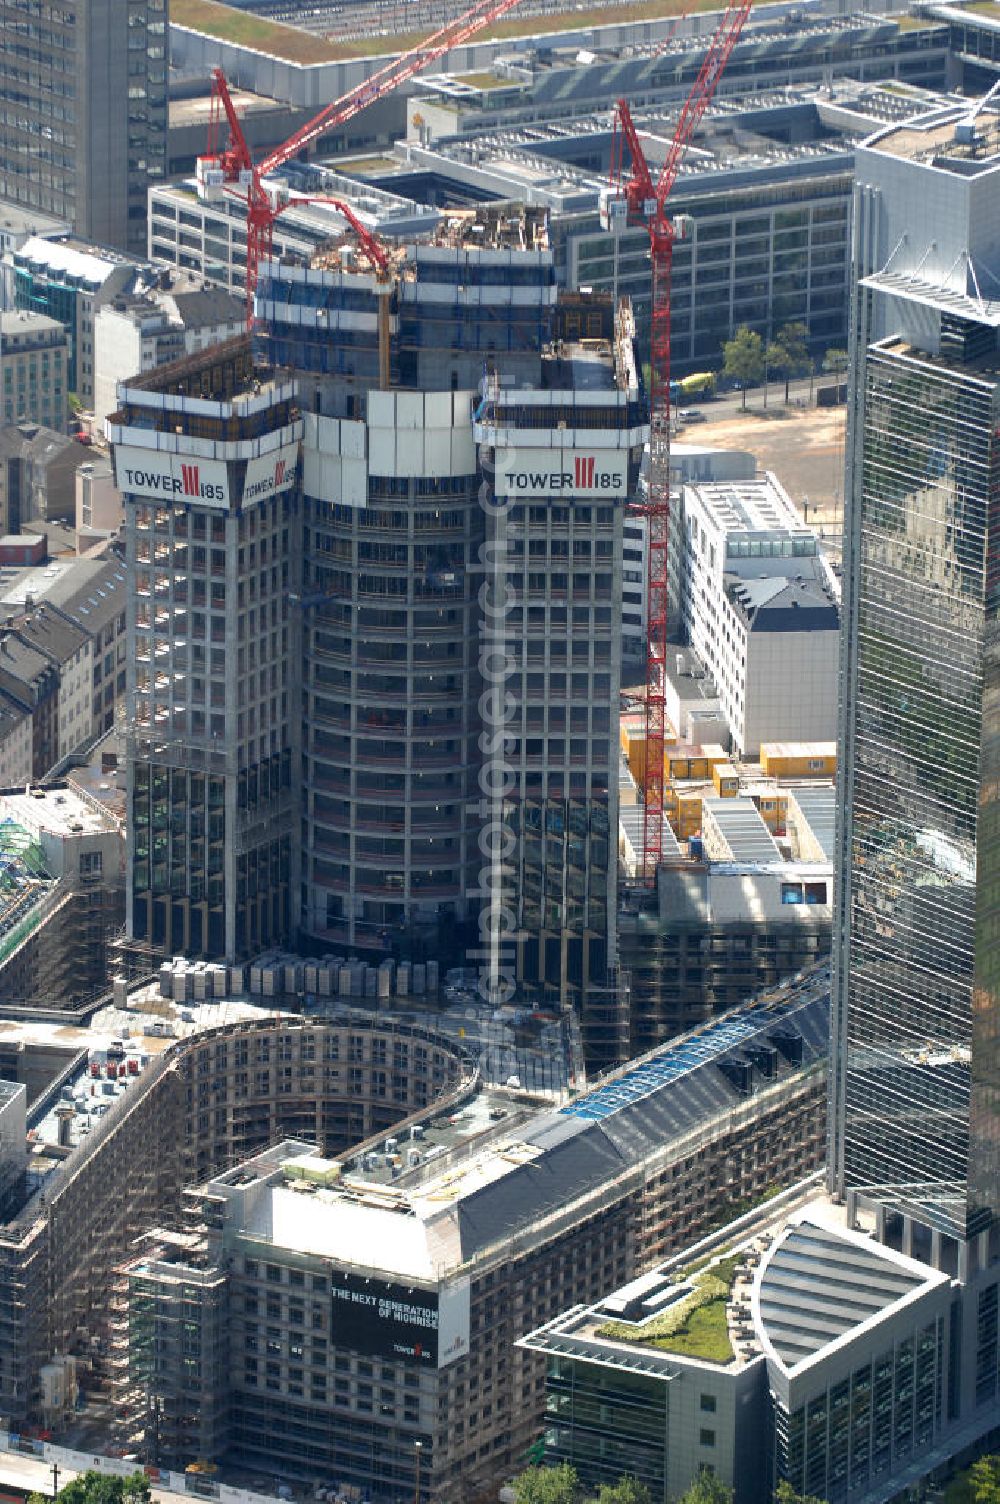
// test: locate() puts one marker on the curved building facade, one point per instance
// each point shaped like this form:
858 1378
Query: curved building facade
203 1104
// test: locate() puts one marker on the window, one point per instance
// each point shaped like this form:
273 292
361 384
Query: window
706 1438
708 1403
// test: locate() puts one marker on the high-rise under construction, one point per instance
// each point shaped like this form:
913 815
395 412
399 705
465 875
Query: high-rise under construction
470 436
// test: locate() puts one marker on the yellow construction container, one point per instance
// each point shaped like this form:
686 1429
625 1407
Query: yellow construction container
773 810
713 753
685 761
633 741
726 780
798 759
688 816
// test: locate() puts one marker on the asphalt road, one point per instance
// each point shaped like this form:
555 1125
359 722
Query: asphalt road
730 404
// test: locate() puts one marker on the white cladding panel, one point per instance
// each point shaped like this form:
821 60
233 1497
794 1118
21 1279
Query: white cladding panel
334 467
421 433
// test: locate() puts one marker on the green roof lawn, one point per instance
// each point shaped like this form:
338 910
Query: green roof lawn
228 25
696 1326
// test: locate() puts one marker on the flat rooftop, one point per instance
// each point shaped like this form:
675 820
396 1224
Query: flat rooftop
483 228
198 111
751 506
738 826
87 263
61 811
786 1282
955 140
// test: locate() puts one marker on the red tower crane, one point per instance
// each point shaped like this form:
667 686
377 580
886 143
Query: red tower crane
635 195
230 168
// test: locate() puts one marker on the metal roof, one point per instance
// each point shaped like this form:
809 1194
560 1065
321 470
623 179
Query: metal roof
739 824
681 1066
817 1285
818 805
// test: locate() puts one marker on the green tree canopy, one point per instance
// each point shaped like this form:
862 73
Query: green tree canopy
789 353
785 1494
93 1487
547 1485
984 1480
627 1490
707 1489
743 358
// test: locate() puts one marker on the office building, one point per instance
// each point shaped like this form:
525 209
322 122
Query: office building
741 904
348 1309
67 280
871 1317
86 128
162 317
33 370
16 227
759 605
767 190
208 237
793 1332
917 1014
192 1090
689 464
212 551
64 895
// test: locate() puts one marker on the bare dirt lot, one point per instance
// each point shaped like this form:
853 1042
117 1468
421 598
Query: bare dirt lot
803 446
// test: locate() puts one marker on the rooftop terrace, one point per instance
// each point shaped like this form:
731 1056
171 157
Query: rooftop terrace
954 140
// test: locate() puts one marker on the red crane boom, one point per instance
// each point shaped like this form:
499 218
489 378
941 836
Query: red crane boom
644 200
231 168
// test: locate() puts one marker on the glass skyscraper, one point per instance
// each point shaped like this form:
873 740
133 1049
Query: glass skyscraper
915 1103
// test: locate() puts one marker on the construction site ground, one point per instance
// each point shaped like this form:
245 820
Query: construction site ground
802 445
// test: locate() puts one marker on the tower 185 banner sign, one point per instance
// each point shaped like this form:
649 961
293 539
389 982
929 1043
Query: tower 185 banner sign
388 1320
577 474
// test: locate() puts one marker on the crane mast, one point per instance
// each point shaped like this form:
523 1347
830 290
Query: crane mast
637 197
230 169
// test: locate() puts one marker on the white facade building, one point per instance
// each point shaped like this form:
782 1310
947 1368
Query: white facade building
69 280
761 608
688 463
176 315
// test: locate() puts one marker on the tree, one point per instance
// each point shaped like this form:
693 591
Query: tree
789 354
984 1480
547 1485
743 358
627 1490
835 362
93 1487
785 1494
707 1489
